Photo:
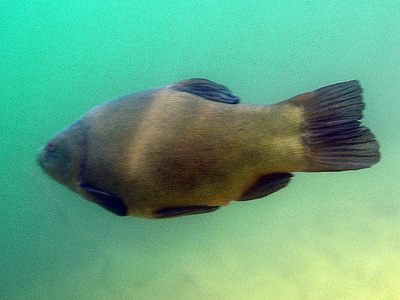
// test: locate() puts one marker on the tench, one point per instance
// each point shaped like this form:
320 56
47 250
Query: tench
190 147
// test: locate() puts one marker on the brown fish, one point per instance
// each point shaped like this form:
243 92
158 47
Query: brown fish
190 148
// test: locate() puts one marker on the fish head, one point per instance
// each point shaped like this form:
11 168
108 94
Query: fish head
62 156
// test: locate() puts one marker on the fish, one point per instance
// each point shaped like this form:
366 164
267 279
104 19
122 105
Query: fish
191 147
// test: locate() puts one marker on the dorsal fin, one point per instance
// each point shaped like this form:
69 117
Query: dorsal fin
206 89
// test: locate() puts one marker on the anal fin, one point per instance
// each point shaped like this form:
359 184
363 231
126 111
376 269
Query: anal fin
266 185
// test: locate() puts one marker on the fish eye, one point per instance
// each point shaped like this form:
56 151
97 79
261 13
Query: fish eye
51 146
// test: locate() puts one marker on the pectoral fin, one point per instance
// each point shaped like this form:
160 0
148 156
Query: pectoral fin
107 200
206 89
171 212
266 185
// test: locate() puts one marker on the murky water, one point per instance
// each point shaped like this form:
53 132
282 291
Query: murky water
325 236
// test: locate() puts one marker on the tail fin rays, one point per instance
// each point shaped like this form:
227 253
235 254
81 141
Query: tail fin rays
336 141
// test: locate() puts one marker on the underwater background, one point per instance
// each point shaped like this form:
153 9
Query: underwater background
325 236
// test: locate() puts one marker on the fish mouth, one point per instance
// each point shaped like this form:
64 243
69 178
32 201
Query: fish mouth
39 159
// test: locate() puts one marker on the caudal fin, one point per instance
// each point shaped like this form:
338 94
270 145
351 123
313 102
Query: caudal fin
336 141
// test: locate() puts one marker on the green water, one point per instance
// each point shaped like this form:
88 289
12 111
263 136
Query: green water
325 236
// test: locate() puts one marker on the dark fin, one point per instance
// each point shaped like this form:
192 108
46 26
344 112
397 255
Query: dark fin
109 201
266 185
171 212
206 89
336 140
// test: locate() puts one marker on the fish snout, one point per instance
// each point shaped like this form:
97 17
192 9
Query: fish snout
40 158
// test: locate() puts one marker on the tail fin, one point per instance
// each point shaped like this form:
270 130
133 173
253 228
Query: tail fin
336 141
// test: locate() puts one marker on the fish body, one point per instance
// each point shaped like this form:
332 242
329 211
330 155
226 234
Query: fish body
191 148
